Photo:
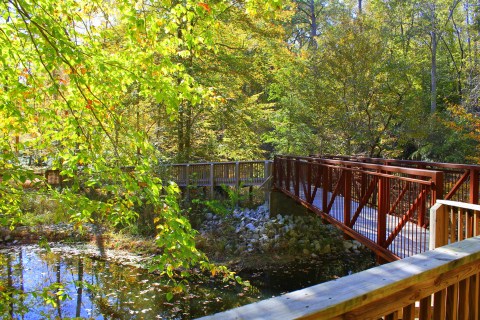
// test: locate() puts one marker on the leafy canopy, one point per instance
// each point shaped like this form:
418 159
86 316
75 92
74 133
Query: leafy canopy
70 71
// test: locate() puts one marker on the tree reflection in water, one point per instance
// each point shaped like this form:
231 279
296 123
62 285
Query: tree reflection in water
37 284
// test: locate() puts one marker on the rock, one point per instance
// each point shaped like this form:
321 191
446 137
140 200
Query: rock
347 245
326 249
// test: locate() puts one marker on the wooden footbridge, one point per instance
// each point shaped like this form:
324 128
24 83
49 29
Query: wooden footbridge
395 208
384 204
400 209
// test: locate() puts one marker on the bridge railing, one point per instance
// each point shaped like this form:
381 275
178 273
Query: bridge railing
461 181
246 173
453 221
438 284
382 206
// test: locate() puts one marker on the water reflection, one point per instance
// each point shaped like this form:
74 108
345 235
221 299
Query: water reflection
36 284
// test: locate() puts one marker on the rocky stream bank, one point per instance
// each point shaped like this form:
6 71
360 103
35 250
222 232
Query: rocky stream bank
252 238
243 239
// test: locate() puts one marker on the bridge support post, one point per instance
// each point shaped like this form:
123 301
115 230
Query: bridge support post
237 180
325 190
347 197
296 184
438 226
187 179
474 186
383 196
267 172
212 182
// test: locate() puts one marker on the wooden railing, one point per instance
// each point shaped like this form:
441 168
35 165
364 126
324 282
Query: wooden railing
245 173
461 181
439 284
452 221
382 206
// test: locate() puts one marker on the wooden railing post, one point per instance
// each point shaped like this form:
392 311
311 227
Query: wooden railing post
325 182
288 173
308 196
422 208
237 175
296 184
266 169
212 179
279 167
187 180
383 194
473 186
347 196
438 226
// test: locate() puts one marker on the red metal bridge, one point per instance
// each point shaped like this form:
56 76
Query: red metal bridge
384 204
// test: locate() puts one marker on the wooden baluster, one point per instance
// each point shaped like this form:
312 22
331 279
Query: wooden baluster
461 224
452 302
439 304
463 303
409 312
425 312
392 316
473 297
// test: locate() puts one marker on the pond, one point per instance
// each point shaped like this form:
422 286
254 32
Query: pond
41 284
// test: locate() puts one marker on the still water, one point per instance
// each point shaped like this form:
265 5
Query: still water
36 284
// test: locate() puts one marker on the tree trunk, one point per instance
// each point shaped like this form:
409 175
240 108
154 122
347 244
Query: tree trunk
313 25
433 74
433 70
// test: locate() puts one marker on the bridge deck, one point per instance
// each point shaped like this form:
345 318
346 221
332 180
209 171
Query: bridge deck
411 240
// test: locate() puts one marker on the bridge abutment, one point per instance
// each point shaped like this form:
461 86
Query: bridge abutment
280 203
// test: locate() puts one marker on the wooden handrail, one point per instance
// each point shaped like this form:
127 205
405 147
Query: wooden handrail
452 221
462 181
439 284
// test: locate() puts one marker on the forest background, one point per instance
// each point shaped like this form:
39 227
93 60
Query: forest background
94 87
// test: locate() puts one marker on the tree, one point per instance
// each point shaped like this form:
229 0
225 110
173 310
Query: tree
73 73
